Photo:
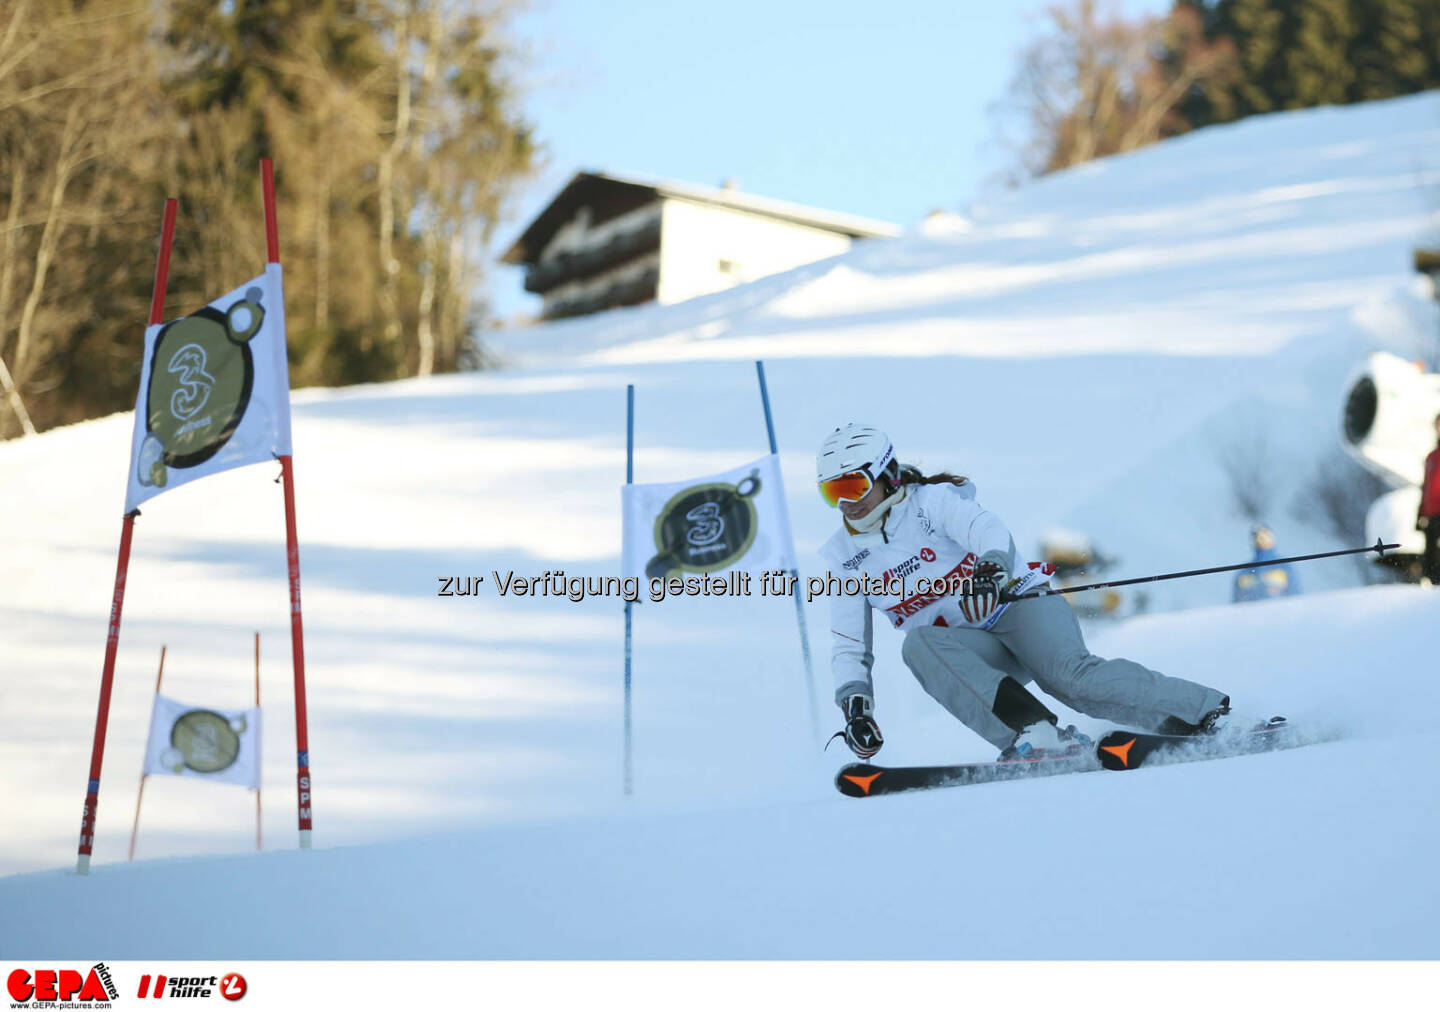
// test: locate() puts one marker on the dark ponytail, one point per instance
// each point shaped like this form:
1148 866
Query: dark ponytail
910 475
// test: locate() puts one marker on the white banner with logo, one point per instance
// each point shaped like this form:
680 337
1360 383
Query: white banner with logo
733 520
196 741
214 390
321 970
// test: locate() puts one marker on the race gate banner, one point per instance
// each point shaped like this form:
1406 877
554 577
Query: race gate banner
214 391
195 741
708 525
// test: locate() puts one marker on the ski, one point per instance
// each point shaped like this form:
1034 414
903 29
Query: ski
1128 750
862 780
1117 750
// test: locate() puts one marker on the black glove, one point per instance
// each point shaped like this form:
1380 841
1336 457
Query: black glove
861 732
980 594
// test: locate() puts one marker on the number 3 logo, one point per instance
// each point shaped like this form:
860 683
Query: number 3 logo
194 383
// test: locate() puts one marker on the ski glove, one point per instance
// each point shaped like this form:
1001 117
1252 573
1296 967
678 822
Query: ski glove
861 732
980 594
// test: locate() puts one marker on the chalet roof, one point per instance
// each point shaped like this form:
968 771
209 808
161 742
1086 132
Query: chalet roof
609 196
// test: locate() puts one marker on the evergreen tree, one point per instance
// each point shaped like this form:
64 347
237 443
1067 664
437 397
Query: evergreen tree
1316 68
1294 54
1389 56
1260 32
285 79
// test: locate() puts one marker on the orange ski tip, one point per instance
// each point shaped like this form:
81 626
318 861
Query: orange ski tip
1121 752
862 782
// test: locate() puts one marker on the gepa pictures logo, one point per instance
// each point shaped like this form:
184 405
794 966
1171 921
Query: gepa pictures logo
47 988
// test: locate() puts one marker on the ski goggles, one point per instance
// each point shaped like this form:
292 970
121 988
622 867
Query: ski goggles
852 486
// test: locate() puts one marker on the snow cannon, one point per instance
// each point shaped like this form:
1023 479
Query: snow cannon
1388 424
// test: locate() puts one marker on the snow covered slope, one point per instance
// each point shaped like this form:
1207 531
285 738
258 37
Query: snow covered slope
1089 350
1277 856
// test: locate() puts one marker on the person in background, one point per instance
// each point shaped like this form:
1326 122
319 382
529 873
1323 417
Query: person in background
1429 519
1271 581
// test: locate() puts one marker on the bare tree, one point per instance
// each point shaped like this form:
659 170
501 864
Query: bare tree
1096 83
401 18
77 97
12 396
453 155
1249 464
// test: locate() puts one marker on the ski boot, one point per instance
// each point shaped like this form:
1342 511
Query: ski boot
1044 740
1211 723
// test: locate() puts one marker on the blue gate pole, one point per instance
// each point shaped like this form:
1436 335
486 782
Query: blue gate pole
629 479
794 573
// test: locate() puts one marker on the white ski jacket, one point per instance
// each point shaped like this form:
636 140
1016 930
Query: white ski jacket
929 541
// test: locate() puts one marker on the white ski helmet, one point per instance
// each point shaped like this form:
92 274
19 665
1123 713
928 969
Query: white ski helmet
855 447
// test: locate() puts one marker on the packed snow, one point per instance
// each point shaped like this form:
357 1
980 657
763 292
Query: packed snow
1092 350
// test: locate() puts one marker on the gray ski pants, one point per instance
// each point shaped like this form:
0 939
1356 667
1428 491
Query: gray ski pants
1040 640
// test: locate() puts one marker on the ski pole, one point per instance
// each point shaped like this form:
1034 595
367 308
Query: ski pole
1377 548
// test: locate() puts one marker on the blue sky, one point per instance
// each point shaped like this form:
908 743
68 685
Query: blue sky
871 108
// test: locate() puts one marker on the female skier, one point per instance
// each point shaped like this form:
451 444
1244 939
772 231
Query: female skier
934 562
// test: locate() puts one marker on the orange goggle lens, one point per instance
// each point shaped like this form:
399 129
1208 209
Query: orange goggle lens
849 487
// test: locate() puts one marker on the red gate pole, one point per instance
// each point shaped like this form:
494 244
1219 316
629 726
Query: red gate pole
292 547
117 601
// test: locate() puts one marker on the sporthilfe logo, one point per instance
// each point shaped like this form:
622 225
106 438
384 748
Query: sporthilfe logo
910 566
232 986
